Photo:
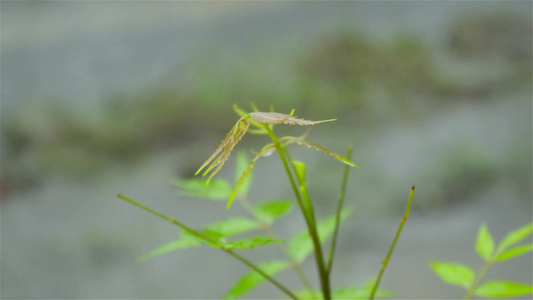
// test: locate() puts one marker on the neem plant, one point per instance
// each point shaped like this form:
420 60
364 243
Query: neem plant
264 214
310 240
463 276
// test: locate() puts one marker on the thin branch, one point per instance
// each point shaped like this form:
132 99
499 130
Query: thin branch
212 242
339 209
387 258
324 278
268 229
476 283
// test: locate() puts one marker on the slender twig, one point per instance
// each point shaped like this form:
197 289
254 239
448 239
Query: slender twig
268 229
281 151
324 278
339 209
212 242
306 200
387 258
474 286
323 272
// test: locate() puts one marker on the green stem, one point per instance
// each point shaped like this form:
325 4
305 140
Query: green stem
211 242
324 278
339 209
281 151
306 200
387 258
474 286
323 272
268 229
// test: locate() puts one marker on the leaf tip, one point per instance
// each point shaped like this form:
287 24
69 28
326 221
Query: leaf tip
141 259
329 120
230 200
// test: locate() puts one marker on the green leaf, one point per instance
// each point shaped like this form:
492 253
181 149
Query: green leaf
252 279
268 212
215 237
516 251
279 118
242 167
215 231
309 144
242 113
299 170
359 292
239 111
218 189
380 293
484 243
301 245
197 234
250 243
221 154
245 173
307 294
503 289
352 293
254 107
515 237
233 226
456 274
186 241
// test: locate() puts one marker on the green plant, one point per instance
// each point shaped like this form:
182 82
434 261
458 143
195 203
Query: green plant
463 276
309 241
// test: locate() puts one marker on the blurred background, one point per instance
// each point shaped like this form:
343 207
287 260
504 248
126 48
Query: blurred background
100 98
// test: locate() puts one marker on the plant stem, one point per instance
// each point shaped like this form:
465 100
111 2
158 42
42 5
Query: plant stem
265 275
339 209
474 286
387 258
211 242
324 278
268 229
323 272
